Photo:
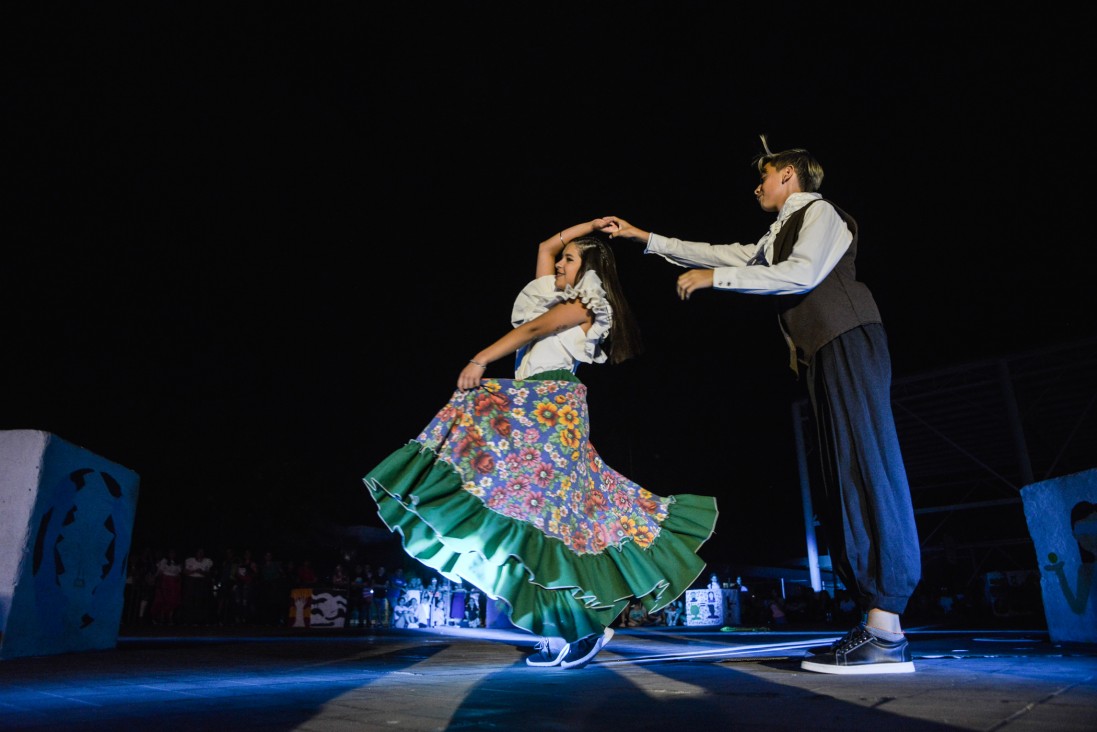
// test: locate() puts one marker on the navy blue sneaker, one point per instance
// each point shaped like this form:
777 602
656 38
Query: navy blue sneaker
860 652
544 655
585 649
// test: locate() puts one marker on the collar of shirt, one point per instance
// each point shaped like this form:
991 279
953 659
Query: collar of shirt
793 203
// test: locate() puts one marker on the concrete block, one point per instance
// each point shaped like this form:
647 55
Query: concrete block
66 522
1062 519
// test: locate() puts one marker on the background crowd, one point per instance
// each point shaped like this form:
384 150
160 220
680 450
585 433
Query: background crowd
239 587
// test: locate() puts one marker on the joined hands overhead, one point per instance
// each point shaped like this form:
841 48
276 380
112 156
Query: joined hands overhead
688 282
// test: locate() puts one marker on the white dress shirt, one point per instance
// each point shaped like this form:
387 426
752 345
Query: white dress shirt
823 239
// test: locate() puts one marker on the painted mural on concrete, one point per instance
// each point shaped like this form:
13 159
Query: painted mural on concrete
1062 519
68 519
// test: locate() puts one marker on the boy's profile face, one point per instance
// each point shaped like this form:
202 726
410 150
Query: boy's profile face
775 187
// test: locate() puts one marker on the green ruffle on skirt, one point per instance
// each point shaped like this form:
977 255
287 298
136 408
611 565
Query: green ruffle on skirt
549 589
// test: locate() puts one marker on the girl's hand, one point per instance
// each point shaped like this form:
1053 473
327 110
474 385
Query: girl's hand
470 376
606 225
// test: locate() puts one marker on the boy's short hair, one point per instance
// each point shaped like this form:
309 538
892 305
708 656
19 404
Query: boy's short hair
808 170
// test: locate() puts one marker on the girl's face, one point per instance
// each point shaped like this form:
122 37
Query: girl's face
567 266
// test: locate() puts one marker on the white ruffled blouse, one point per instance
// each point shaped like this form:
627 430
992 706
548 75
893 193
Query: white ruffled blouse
565 350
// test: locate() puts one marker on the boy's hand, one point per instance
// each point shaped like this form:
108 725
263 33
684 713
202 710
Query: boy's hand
618 228
692 281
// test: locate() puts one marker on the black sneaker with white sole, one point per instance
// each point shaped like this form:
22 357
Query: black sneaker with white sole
817 650
860 652
545 655
585 649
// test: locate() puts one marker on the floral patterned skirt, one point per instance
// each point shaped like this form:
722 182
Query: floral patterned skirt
503 490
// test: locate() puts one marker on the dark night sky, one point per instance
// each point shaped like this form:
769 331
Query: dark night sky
249 247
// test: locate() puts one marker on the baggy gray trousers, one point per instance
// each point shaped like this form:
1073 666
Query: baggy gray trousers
871 532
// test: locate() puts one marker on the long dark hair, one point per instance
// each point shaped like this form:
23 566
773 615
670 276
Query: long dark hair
624 336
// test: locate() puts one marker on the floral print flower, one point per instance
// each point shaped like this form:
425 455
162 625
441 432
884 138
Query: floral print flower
529 457
580 540
501 425
534 502
518 484
484 463
621 499
594 502
571 437
546 413
568 416
643 536
543 475
600 538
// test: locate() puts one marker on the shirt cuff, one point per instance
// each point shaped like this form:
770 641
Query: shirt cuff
723 278
656 244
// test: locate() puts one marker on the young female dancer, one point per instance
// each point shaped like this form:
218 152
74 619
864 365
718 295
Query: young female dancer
503 489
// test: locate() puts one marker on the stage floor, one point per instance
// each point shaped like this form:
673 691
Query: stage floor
454 678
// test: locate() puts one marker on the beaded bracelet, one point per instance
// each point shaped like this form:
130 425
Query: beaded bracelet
481 365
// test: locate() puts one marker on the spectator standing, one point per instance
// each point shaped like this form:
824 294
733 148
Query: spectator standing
142 591
358 597
379 608
776 607
306 575
169 592
224 600
395 593
244 579
272 590
197 606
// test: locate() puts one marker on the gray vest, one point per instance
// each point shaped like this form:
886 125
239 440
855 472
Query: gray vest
837 304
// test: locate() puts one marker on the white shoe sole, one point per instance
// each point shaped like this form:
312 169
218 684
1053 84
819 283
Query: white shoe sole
903 667
607 634
550 664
